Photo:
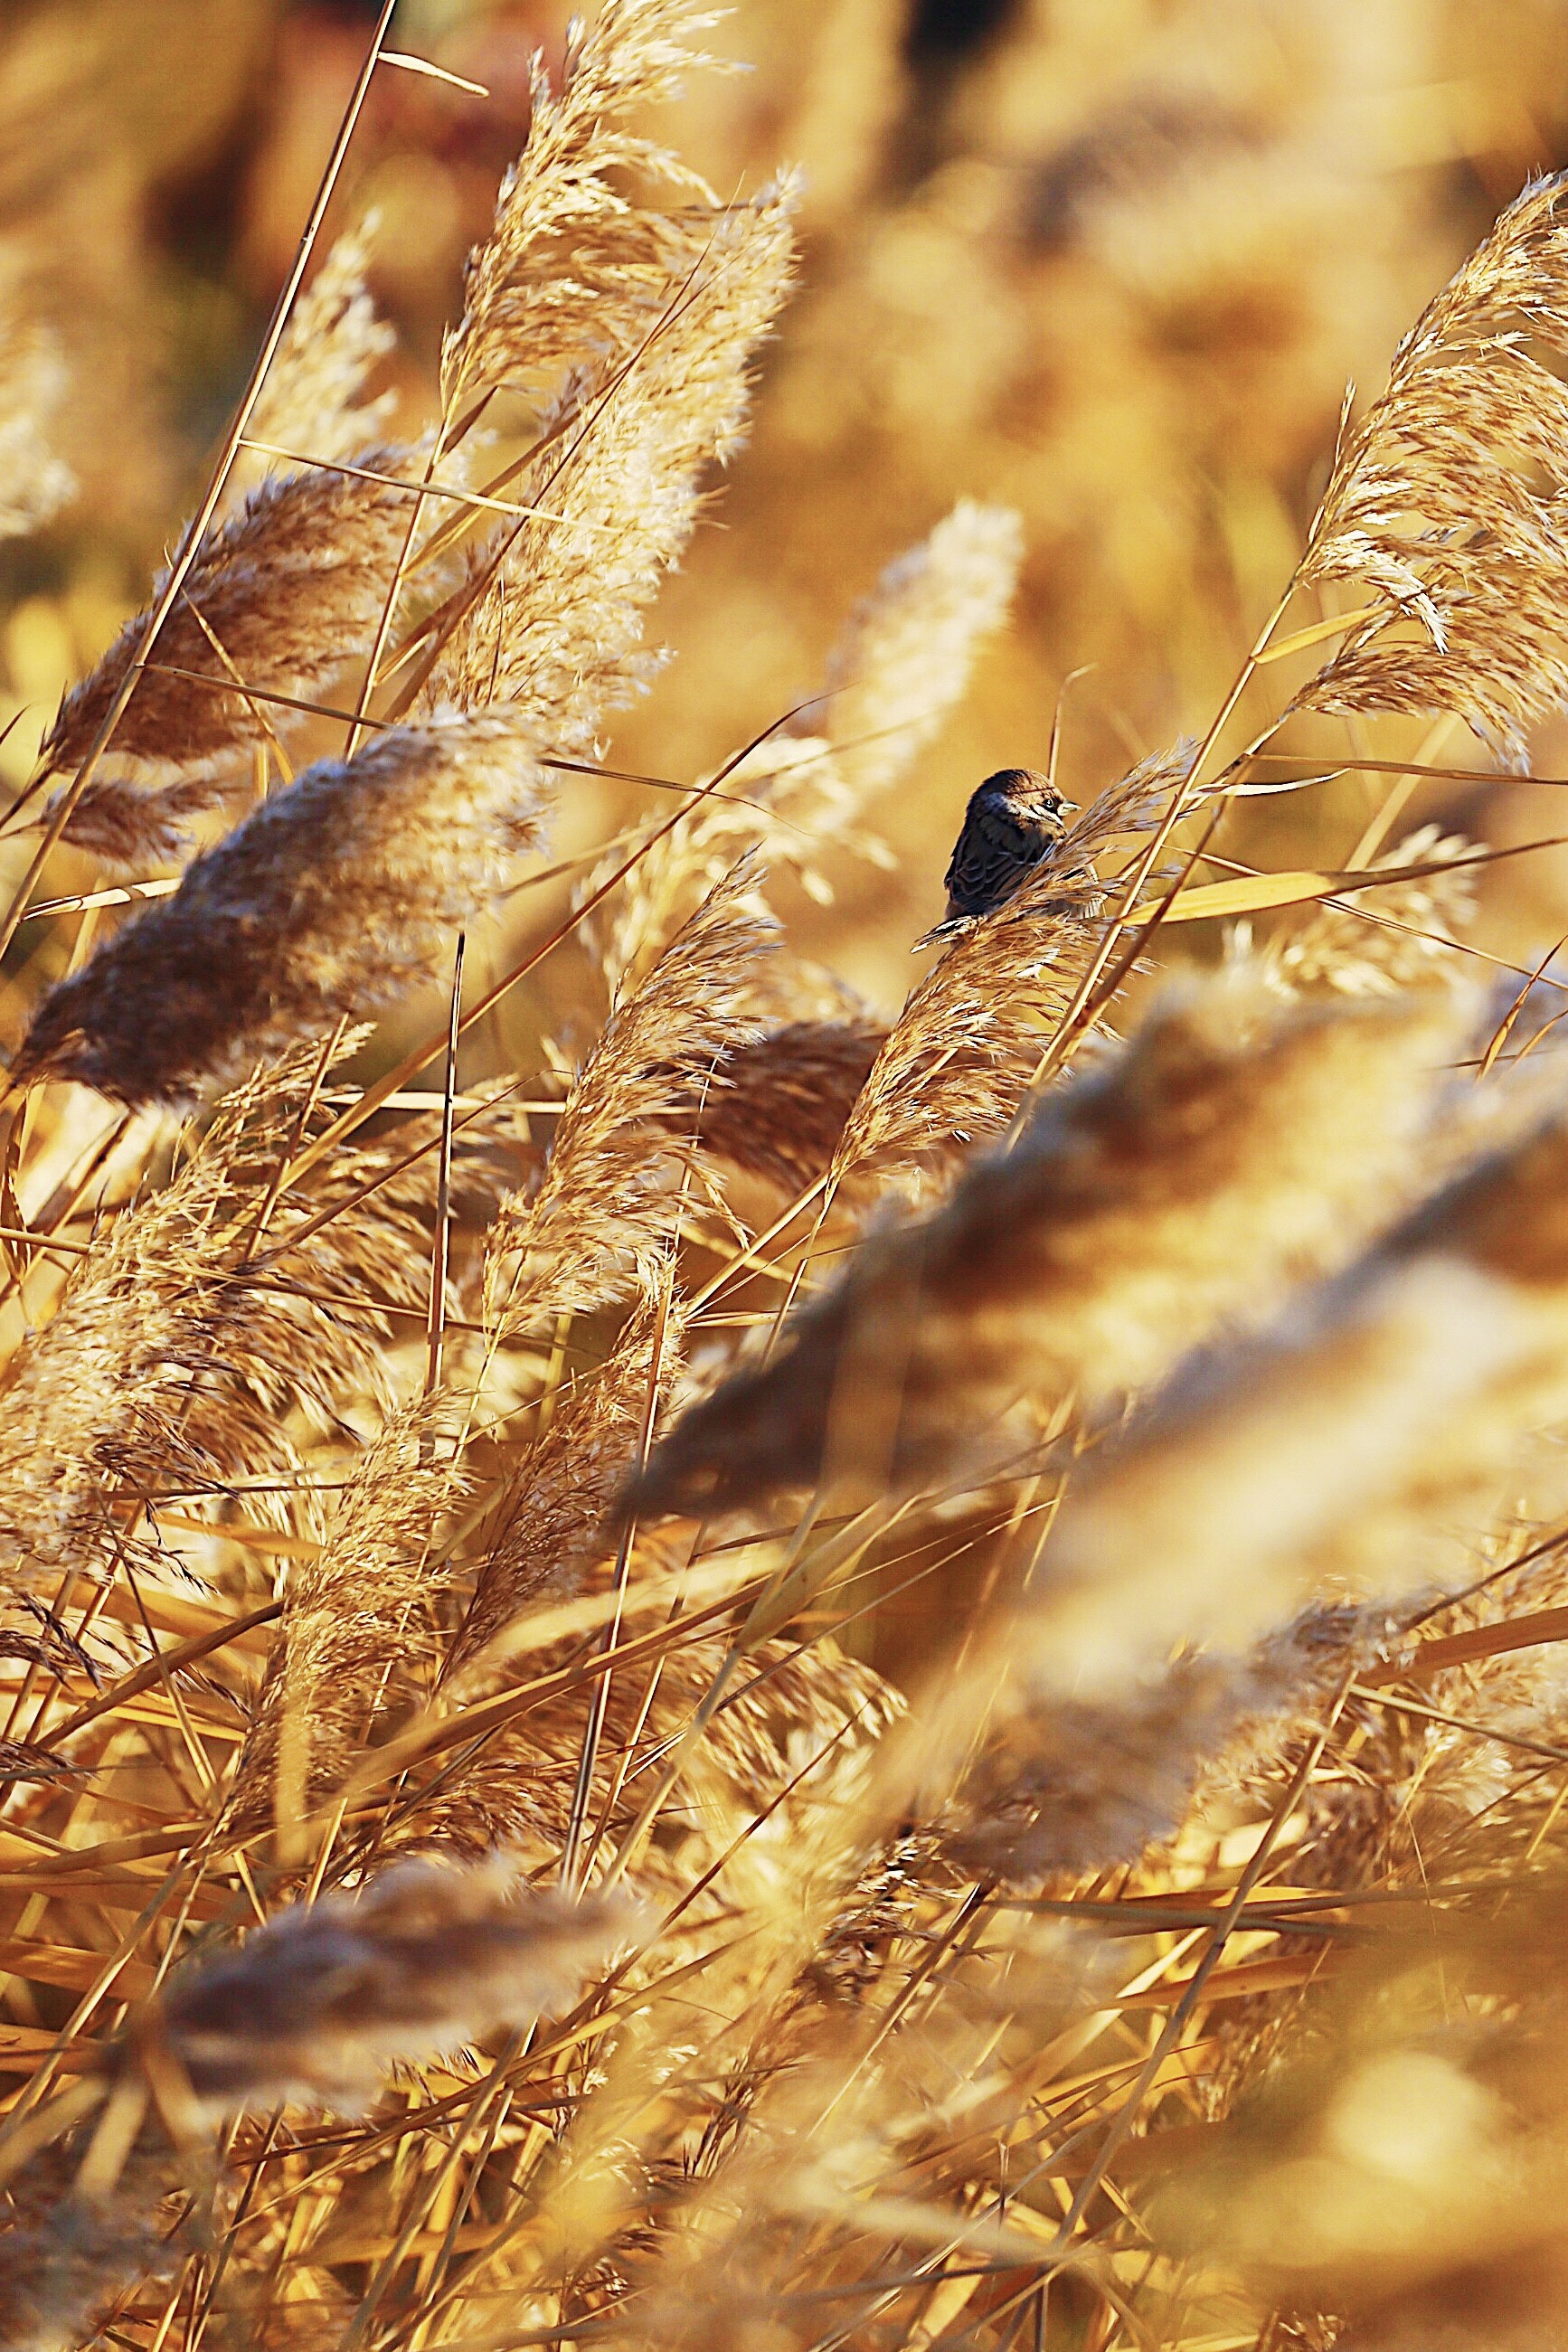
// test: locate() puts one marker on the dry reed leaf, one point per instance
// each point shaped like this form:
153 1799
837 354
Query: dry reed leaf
317 2004
605 1208
1448 500
291 588
555 623
1217 1158
331 900
34 483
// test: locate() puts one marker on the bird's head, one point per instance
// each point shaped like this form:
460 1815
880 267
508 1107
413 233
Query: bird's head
1026 794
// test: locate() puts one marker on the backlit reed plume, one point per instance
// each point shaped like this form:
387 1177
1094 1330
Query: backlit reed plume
195 1343
790 1746
1426 1374
960 1055
552 618
1445 507
1394 935
333 899
573 257
356 1630
318 2003
311 403
1231 1147
550 1517
34 483
607 1203
64 2260
278 599
777 1107
906 656
797 798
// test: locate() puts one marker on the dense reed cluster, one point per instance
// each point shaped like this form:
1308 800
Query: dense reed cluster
760 1675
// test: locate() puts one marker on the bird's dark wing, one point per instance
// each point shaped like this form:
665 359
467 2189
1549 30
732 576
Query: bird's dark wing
995 850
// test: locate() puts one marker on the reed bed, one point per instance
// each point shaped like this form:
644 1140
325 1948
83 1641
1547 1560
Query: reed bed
777 1679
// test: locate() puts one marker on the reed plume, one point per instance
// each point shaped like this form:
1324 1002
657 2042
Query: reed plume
333 899
777 1107
316 2005
551 615
1219 1155
196 1340
312 399
35 483
571 254
357 1625
278 600
605 1207
556 1503
906 656
956 1061
1445 505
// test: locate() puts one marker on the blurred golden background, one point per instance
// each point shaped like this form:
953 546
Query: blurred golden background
1112 262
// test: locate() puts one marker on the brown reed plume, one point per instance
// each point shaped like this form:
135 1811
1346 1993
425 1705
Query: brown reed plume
316 2005
1074 1266
277 600
331 899
1444 505
606 1205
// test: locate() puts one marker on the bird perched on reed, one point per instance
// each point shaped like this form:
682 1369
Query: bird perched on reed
1013 823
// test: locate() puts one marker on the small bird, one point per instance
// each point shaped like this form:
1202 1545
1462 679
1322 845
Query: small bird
1015 821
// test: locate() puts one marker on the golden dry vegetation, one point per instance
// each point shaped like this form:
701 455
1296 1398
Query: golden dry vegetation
706 1639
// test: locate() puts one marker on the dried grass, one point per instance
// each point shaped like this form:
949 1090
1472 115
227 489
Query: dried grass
1092 1874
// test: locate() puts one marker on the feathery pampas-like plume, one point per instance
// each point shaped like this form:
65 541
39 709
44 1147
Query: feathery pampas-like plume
331 900
1362 1442
310 402
278 598
569 249
1231 1147
552 618
188 1338
558 1500
906 656
776 1106
1447 502
34 483
604 1210
356 1626
901 664
316 2005
960 1055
